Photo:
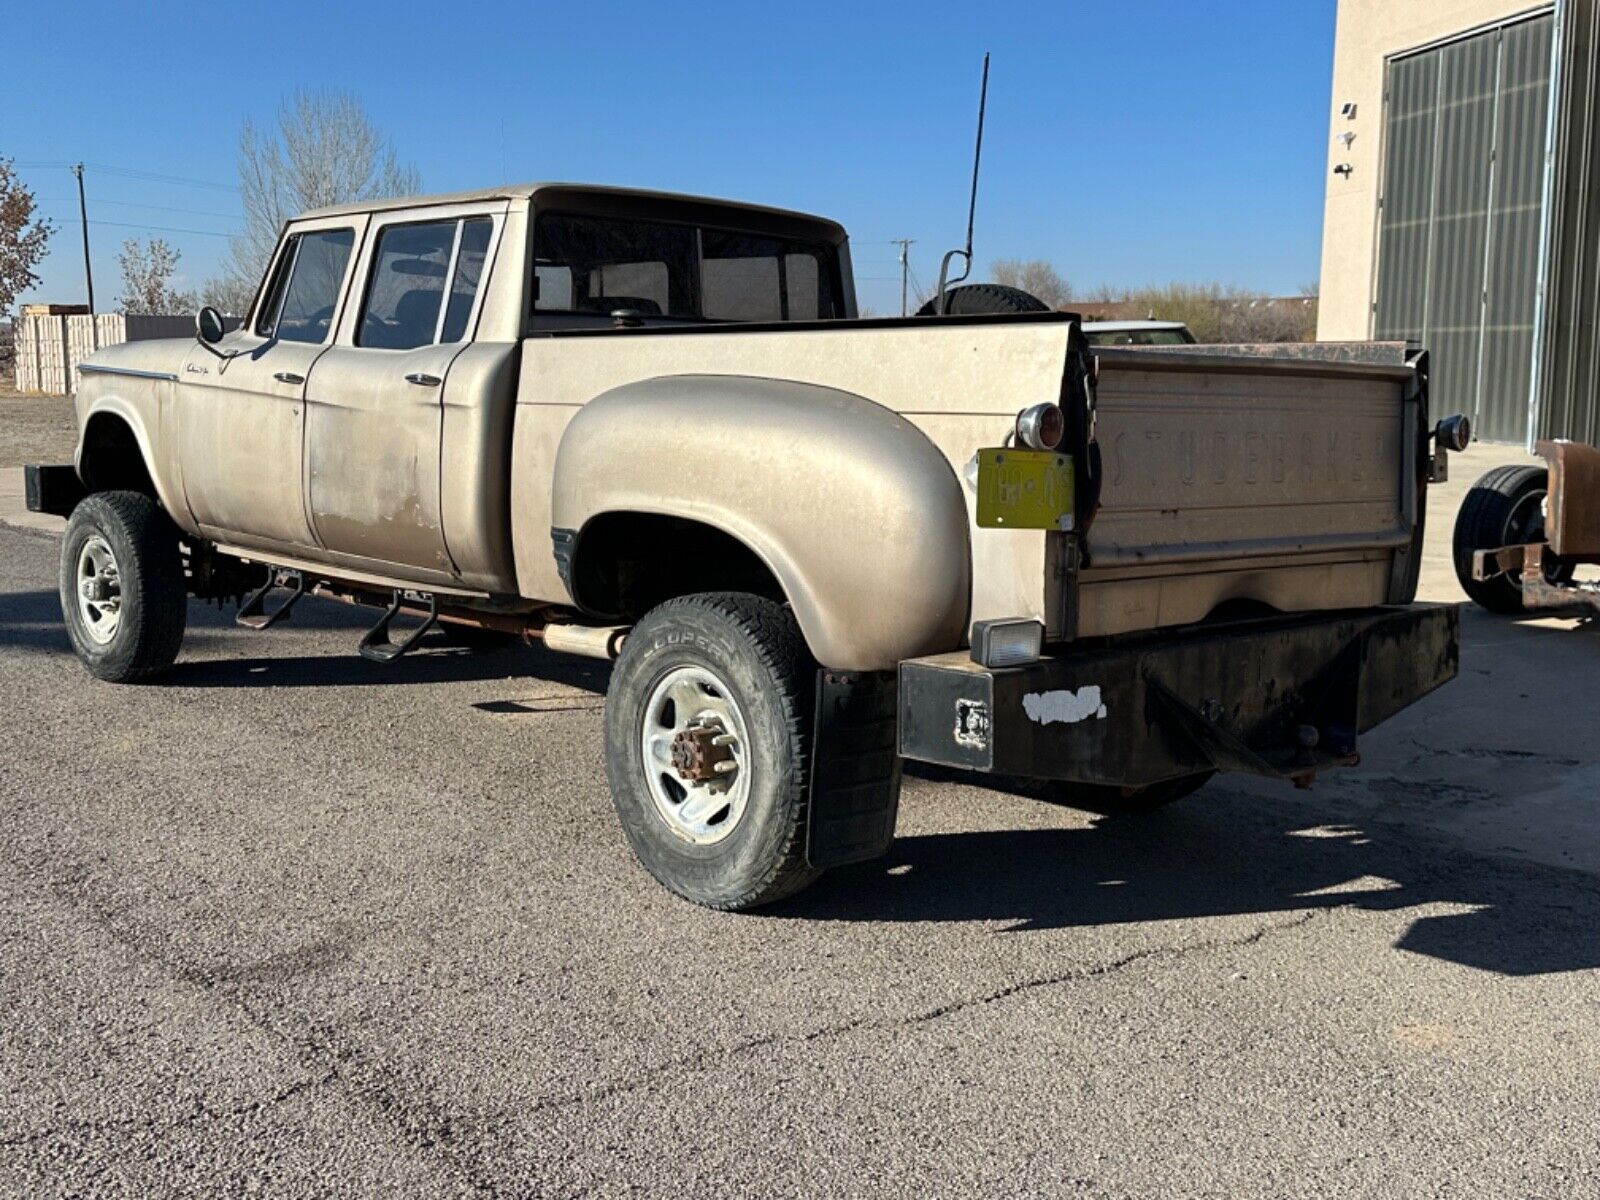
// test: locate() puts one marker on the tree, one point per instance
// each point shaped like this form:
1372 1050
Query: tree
23 237
325 150
147 272
1034 276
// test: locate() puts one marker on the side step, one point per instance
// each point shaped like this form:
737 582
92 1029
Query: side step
376 644
253 612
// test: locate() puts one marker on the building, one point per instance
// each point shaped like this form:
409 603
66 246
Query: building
1464 146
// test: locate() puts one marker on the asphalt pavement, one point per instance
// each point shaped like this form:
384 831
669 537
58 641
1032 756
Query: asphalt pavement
294 923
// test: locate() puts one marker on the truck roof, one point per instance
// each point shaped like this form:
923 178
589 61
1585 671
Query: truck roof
524 191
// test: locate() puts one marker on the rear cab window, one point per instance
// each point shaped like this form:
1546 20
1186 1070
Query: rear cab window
423 284
679 271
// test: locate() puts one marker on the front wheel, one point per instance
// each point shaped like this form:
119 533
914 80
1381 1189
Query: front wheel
1506 507
708 741
122 588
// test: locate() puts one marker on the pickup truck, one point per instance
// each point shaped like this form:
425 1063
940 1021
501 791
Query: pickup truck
651 428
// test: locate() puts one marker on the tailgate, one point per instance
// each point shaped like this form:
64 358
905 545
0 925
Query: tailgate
1276 480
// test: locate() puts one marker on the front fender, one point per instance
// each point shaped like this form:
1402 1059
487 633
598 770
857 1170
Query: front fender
858 516
138 412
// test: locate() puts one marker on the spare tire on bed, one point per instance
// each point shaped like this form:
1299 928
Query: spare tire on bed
978 299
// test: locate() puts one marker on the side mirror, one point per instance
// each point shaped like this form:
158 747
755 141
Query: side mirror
208 326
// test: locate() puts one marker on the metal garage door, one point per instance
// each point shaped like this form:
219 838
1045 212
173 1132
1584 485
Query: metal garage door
1459 224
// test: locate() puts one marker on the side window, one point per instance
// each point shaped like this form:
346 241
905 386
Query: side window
305 293
408 304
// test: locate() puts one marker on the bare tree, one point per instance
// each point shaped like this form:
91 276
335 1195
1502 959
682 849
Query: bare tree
325 150
1034 276
147 272
23 237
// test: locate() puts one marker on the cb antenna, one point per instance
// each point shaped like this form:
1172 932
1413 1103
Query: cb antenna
972 206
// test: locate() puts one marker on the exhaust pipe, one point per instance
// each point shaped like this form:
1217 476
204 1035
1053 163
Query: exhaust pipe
589 641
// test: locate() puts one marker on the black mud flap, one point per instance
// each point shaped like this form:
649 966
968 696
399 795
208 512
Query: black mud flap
52 489
855 769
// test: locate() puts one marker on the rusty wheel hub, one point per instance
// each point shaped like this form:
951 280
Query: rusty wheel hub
696 753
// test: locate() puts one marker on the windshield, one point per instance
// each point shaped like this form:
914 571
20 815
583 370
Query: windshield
661 269
1139 337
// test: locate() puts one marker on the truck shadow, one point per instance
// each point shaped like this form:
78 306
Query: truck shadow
212 658
1224 854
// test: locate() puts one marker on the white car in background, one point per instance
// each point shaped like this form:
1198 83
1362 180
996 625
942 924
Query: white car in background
1138 333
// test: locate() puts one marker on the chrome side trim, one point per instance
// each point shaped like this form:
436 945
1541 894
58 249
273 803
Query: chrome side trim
134 372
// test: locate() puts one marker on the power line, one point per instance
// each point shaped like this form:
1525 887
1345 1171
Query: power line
153 228
193 212
131 173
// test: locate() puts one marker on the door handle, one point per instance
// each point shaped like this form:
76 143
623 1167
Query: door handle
288 377
421 380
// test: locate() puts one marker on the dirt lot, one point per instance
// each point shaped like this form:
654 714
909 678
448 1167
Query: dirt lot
296 922
35 428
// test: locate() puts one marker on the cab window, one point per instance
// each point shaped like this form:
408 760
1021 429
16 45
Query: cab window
305 291
408 302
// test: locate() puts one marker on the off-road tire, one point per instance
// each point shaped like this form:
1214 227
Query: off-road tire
1482 524
978 299
755 645
154 597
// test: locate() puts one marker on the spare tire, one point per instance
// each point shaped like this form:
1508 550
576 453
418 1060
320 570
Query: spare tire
978 299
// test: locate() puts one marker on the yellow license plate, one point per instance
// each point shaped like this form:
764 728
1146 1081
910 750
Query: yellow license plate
1024 489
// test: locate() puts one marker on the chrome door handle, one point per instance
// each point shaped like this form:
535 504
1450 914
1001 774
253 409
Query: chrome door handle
288 377
421 380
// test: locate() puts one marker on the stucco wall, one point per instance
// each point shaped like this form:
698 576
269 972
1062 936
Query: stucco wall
1369 31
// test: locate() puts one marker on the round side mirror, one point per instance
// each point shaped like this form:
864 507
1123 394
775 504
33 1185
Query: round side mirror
1454 433
208 326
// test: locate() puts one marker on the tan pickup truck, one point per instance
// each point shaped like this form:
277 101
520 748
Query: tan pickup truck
651 428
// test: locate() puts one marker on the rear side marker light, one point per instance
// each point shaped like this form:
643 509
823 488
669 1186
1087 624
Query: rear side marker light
1007 643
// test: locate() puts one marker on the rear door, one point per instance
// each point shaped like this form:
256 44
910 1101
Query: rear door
240 417
375 400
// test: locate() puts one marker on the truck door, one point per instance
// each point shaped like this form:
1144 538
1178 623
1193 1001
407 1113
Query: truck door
240 419
375 401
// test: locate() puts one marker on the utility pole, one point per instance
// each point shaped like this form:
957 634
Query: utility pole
83 217
905 268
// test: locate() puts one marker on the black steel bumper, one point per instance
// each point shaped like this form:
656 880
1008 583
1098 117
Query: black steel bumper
51 489
1283 697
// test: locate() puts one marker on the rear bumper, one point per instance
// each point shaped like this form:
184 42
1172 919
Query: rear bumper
52 489
1239 697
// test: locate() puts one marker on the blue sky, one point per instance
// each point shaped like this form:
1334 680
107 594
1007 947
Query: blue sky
1126 143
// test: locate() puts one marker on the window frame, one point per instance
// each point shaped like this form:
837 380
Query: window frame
271 297
459 214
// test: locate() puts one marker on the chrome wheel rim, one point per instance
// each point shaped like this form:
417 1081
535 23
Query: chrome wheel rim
99 590
696 752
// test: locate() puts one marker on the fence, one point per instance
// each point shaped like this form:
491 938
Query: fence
51 343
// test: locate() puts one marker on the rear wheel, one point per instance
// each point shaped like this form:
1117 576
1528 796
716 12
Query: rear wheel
708 741
1504 508
123 593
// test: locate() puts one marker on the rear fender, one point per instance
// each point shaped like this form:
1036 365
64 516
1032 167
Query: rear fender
854 511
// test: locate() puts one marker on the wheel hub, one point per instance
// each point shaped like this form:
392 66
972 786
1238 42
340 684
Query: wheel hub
695 753
99 590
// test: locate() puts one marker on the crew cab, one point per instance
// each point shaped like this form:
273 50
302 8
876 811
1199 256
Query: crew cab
651 428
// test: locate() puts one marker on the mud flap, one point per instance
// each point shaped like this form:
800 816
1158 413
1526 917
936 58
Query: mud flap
855 769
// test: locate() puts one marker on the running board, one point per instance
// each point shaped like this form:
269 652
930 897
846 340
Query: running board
376 645
253 612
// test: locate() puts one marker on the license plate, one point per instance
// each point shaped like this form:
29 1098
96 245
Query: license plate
1024 489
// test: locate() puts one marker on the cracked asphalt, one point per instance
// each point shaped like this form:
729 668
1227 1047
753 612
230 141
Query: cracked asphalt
298 924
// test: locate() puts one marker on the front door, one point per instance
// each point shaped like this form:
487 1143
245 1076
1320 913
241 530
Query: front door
241 417
375 401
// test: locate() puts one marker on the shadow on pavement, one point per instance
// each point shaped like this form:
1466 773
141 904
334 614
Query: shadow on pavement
1223 855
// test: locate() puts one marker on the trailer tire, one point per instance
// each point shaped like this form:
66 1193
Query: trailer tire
122 544
979 299
1504 508
717 665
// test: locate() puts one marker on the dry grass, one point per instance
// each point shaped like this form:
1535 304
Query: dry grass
35 429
